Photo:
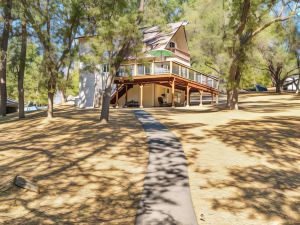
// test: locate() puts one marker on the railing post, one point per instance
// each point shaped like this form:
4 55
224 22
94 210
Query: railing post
179 67
187 96
173 93
201 98
195 76
135 70
201 78
141 96
126 94
117 97
152 67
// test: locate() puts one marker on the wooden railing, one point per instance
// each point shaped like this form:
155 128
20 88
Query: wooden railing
179 53
168 67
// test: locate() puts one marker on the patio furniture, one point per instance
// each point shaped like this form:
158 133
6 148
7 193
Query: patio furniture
162 103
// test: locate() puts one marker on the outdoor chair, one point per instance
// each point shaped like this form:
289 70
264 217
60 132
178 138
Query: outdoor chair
162 103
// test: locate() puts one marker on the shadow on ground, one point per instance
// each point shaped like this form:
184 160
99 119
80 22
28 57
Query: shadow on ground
243 165
88 173
272 189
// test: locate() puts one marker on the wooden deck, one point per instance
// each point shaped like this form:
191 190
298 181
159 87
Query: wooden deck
171 81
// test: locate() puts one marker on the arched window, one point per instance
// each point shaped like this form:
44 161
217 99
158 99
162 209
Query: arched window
172 44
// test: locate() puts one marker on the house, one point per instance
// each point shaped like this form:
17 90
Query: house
290 83
153 80
11 106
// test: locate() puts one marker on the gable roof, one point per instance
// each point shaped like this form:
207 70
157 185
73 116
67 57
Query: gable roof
154 38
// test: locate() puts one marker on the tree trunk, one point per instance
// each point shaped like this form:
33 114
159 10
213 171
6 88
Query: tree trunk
104 117
51 88
298 84
63 96
233 82
276 77
278 87
22 70
3 53
65 85
298 65
50 104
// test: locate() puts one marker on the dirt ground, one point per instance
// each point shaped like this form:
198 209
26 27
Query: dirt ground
87 173
244 166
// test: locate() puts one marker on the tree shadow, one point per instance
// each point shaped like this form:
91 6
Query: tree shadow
88 173
271 189
166 187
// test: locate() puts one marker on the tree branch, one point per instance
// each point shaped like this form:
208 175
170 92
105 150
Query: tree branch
206 64
244 16
266 25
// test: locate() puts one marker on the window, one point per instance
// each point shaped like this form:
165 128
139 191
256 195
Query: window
172 44
105 68
184 72
140 69
175 69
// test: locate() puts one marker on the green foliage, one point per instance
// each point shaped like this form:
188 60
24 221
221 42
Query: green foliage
274 51
220 32
205 35
34 81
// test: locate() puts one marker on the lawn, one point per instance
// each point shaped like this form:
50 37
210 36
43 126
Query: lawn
244 166
87 173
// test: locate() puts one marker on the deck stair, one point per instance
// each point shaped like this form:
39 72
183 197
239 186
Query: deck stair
121 90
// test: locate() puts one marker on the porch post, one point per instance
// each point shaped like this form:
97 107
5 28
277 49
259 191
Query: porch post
201 98
173 93
126 94
187 96
117 96
212 98
141 96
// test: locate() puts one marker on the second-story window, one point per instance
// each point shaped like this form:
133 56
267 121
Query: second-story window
172 44
105 68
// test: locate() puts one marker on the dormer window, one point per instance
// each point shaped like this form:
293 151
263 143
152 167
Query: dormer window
172 44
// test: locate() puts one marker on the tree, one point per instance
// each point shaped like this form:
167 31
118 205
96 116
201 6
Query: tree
294 43
22 69
117 36
246 20
205 35
66 77
276 56
3 55
116 24
56 23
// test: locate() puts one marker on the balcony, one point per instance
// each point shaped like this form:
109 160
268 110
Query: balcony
167 68
180 54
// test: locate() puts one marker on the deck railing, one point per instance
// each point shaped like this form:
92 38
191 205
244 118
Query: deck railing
167 67
180 54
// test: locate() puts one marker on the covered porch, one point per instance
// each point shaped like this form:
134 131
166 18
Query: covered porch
160 90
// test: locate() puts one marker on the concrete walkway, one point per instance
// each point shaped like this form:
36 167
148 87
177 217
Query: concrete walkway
166 198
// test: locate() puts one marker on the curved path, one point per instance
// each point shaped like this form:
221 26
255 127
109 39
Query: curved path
166 198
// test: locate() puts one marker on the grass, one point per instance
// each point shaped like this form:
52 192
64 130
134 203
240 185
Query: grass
88 173
244 166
